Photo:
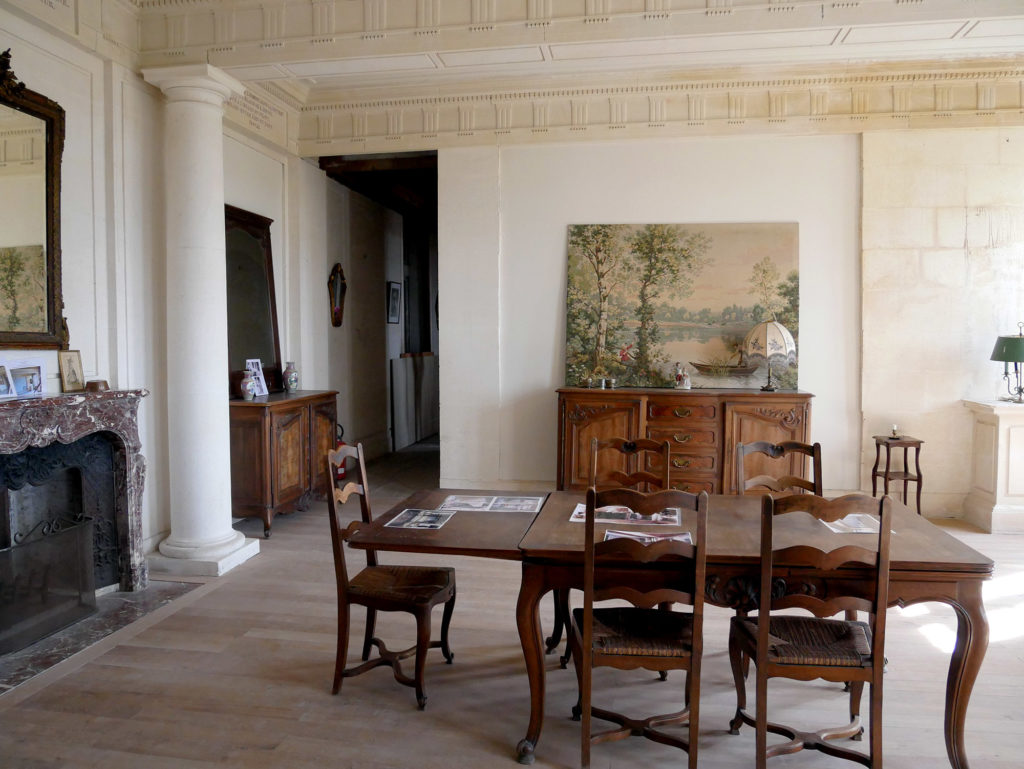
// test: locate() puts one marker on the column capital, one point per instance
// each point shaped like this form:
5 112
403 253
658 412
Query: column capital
194 82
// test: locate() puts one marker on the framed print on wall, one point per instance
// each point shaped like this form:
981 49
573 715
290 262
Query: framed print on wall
394 301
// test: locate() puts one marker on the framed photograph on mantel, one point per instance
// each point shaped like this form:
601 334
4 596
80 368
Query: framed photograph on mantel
72 380
28 375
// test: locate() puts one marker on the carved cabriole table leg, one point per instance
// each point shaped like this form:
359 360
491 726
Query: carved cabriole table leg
964 596
531 591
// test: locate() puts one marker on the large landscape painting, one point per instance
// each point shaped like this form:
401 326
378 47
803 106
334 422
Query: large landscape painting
643 297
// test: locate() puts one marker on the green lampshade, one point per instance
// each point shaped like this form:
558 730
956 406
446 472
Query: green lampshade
1009 348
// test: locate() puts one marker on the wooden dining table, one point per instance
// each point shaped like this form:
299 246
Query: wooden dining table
927 564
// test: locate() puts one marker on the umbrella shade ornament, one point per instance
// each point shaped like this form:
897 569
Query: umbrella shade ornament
771 342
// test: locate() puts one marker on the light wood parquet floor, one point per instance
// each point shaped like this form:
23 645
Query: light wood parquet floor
237 674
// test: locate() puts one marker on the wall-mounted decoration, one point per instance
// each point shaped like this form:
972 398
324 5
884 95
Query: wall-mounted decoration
32 134
642 297
252 305
337 287
72 379
394 301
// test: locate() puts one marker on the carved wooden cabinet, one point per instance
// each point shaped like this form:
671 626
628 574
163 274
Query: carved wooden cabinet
703 427
278 445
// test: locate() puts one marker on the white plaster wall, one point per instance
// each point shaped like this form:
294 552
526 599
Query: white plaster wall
307 206
138 245
943 233
503 218
468 218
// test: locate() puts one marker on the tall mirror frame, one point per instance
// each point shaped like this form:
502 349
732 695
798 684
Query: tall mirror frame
15 95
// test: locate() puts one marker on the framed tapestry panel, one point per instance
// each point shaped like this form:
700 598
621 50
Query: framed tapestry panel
642 298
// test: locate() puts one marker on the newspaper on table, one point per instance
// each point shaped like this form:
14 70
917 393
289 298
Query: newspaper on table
623 514
649 537
414 518
494 504
854 523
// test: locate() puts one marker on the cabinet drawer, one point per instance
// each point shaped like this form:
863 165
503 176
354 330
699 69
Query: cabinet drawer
695 485
693 438
662 410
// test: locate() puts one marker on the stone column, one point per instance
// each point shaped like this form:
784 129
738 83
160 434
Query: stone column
201 539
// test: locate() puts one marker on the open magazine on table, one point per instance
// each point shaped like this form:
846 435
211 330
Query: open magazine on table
622 514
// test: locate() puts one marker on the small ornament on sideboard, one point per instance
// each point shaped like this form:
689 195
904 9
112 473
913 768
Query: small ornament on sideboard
291 377
248 386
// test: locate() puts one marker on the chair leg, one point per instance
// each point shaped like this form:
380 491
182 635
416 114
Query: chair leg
875 738
577 655
856 688
341 656
371 627
563 615
693 703
422 645
761 722
736 661
446 621
586 666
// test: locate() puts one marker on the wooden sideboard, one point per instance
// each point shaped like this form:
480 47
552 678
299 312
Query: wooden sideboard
703 427
278 445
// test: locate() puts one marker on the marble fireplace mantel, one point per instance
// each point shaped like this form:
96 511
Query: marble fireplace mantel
39 422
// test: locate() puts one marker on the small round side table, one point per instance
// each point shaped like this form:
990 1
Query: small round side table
889 473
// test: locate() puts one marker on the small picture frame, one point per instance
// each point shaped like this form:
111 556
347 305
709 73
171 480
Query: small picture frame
72 378
6 384
28 375
255 369
394 301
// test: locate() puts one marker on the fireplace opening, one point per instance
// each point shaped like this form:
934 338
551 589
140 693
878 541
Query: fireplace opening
58 536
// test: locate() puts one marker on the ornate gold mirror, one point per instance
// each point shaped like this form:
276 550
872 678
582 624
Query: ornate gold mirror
31 144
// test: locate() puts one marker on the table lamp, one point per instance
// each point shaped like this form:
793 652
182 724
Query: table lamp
1010 349
770 341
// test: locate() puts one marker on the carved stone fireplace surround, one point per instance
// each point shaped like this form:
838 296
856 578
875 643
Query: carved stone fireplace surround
66 418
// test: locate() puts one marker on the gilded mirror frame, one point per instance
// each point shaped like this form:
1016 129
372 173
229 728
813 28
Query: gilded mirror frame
14 94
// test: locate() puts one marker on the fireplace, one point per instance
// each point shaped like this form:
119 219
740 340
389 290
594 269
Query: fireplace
71 479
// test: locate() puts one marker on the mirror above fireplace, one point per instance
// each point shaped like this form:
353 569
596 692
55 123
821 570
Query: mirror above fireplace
31 145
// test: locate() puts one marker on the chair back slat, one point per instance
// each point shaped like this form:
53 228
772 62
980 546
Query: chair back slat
641 456
336 460
781 483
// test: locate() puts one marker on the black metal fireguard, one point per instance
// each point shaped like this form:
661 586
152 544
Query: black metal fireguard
46 582
70 480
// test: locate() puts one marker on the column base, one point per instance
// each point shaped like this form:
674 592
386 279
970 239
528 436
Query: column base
176 560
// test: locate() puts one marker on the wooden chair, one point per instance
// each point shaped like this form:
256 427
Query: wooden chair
379 587
805 647
643 450
784 484
640 635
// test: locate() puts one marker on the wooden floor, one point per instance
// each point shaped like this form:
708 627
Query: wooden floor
237 674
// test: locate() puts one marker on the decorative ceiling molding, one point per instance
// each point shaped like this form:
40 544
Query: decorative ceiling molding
841 102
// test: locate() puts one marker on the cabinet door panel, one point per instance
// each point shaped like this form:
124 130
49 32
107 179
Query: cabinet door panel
322 434
289 432
250 483
582 421
746 423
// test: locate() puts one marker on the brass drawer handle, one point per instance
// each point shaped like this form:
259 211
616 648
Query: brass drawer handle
682 438
681 463
681 412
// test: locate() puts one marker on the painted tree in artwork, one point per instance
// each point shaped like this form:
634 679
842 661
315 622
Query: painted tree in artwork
12 268
596 253
764 283
664 257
